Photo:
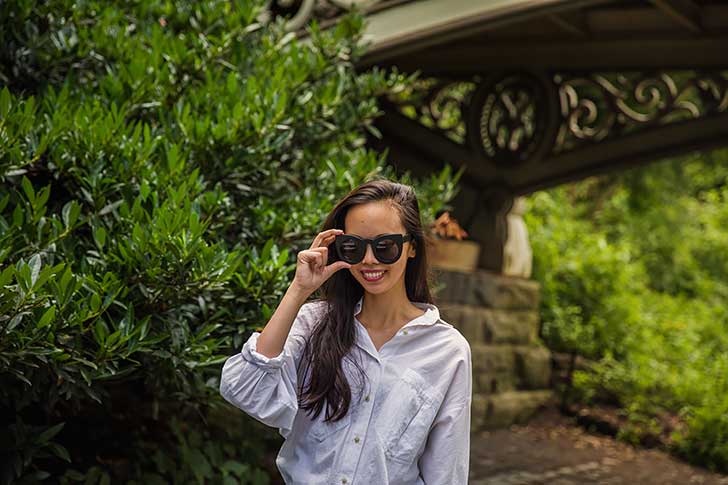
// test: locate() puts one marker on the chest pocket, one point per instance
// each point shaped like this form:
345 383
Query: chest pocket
408 414
320 430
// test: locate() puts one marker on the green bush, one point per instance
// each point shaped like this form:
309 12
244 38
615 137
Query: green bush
161 164
634 276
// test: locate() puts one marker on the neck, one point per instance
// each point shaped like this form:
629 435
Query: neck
381 311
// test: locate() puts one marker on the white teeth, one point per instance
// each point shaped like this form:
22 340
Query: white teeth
373 276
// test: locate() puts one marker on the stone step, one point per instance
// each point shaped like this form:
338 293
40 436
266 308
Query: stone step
500 368
501 410
487 289
493 325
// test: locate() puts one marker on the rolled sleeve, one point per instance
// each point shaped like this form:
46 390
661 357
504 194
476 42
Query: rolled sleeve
266 387
251 354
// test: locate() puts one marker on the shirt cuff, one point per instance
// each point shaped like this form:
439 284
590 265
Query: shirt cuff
252 355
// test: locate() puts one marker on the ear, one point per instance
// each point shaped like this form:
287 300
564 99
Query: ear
412 251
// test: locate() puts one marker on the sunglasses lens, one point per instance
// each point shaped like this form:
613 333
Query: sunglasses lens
349 250
386 250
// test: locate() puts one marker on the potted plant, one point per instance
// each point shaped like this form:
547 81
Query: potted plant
448 247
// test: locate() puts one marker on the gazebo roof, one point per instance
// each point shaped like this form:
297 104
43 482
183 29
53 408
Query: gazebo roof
532 93
457 35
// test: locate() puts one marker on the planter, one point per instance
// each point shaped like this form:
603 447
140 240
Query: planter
453 254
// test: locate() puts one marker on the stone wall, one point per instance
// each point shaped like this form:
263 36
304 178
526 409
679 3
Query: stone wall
499 317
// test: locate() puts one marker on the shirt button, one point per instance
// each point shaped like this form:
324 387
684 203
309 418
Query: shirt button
366 398
343 480
356 439
405 332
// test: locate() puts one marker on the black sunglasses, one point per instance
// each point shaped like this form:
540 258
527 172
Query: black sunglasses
387 248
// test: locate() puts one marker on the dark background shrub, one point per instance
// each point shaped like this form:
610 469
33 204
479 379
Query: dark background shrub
161 164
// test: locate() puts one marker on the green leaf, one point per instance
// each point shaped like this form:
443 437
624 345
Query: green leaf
7 275
200 465
110 207
28 189
4 202
70 213
95 302
47 317
173 157
265 254
60 452
36 476
100 331
100 236
49 433
15 321
5 102
144 189
34 264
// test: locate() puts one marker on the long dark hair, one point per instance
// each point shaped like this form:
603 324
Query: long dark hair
335 333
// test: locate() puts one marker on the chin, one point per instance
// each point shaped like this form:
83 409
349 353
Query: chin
376 291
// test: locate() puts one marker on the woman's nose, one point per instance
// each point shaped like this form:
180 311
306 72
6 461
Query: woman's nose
369 256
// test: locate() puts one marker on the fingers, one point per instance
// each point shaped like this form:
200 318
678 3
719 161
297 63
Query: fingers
315 258
334 267
323 250
318 259
325 238
340 265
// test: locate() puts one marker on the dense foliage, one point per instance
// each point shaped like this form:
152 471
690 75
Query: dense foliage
161 164
634 268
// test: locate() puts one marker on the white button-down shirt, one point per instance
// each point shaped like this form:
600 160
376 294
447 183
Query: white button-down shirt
410 425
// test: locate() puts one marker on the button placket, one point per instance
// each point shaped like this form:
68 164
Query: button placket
363 415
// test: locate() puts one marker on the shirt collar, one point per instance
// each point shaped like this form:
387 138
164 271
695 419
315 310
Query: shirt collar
430 317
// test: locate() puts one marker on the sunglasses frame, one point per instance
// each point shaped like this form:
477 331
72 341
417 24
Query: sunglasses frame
399 240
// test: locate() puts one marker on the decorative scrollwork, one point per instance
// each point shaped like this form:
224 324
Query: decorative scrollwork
509 119
606 105
437 104
503 118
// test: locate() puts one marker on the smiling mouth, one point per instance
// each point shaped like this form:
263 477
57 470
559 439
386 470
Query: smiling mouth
372 276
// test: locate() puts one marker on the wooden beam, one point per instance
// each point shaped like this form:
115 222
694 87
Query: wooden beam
623 153
683 11
418 25
613 54
431 149
573 23
437 147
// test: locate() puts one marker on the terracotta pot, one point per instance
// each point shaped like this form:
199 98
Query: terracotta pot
453 254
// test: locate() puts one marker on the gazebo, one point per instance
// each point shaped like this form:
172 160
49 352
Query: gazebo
529 94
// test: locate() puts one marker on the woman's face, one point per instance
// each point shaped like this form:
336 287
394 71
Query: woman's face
369 221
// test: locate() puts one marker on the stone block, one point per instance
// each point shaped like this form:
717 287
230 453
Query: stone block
533 365
494 382
492 325
478 409
493 358
484 288
510 326
465 318
502 410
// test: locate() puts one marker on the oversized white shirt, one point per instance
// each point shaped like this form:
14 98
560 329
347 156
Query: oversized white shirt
412 425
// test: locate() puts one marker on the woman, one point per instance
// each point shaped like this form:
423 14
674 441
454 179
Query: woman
395 377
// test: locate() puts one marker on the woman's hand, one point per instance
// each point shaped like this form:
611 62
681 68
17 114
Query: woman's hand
311 268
